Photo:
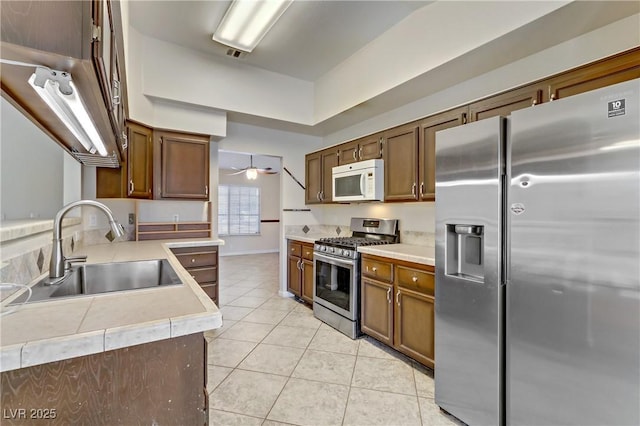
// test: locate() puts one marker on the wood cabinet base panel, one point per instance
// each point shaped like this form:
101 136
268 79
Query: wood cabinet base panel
154 383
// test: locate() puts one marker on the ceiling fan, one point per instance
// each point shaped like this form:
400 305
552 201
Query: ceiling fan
252 171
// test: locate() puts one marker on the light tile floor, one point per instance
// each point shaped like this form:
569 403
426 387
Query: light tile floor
273 363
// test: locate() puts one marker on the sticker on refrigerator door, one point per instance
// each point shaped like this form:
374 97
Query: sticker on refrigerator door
616 108
517 208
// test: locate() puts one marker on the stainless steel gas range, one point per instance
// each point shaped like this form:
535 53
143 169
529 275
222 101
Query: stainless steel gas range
336 265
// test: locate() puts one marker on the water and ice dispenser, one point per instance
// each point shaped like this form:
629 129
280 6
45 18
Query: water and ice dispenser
465 257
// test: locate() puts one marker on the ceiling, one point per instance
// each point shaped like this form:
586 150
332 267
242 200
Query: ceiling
311 37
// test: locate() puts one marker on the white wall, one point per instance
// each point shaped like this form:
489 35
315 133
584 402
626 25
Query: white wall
37 176
424 40
196 78
268 241
157 109
292 147
606 41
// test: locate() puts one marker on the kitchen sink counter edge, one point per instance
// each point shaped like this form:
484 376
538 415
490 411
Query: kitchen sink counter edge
43 332
424 255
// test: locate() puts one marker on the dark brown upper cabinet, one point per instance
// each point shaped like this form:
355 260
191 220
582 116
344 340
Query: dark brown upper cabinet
182 166
617 69
367 148
399 151
140 162
505 103
427 148
318 176
61 35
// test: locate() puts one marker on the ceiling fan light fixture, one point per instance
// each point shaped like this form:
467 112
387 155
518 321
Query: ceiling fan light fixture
246 22
252 173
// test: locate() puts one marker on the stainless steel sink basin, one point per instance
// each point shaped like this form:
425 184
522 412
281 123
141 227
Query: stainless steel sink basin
106 277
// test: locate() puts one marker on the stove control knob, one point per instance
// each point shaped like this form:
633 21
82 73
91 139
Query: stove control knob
342 252
346 253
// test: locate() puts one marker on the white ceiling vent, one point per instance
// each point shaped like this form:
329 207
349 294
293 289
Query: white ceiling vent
235 53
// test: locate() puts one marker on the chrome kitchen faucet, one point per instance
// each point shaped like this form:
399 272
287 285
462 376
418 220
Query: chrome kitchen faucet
57 267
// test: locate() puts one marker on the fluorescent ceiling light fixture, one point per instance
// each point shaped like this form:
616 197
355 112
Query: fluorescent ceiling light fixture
252 173
247 21
58 91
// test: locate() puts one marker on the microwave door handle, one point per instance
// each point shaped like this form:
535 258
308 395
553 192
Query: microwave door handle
362 178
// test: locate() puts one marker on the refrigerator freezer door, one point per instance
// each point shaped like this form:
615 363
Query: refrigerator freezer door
573 296
469 169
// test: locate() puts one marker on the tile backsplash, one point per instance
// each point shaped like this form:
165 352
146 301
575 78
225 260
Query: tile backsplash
407 237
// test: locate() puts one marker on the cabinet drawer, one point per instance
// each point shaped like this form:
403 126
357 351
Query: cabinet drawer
379 270
195 260
415 279
191 250
202 275
295 249
307 251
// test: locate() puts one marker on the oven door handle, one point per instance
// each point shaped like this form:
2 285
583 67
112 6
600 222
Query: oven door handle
332 260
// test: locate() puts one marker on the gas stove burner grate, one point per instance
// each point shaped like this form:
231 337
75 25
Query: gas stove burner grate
351 242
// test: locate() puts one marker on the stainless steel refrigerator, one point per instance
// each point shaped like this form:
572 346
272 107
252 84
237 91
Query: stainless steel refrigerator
538 264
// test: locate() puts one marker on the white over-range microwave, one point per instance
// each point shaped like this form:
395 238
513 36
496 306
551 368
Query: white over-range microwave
361 181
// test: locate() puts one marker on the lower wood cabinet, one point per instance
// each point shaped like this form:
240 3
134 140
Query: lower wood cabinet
398 306
300 270
161 383
202 263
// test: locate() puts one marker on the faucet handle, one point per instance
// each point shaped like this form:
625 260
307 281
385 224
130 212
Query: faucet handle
68 261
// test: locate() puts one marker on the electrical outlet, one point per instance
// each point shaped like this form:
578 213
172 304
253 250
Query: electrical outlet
176 217
132 218
93 220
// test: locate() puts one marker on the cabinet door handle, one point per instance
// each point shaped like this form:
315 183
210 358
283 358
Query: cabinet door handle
355 152
360 153
131 187
116 93
302 266
318 195
398 298
293 249
413 189
374 269
298 264
534 102
389 295
193 260
553 97
206 189
421 188
414 279
321 195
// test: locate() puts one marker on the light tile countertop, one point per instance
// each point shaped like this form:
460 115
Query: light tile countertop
307 238
424 255
42 332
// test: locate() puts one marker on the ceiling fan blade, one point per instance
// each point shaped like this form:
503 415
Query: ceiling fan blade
240 170
267 172
236 173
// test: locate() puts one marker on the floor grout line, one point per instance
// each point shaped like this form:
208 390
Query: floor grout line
237 272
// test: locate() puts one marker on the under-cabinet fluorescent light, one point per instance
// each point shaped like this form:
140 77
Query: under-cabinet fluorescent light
247 21
58 91
252 173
